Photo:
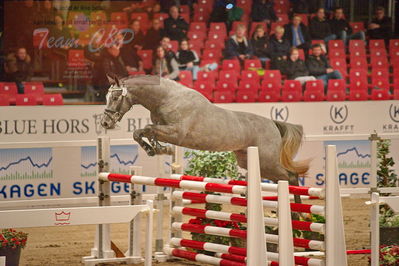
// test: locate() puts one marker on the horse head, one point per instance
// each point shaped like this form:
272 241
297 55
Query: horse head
118 103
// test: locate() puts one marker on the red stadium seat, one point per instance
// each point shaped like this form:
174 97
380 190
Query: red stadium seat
376 44
250 75
26 99
184 9
223 96
380 94
314 91
217 36
272 76
53 99
380 82
198 26
246 96
357 26
339 64
119 19
161 17
4 100
219 27
226 85
206 76
336 53
358 62
146 57
378 53
292 91
336 44
336 90
204 85
379 62
196 35
143 18
201 16
231 65
249 85
33 87
283 18
186 78
212 44
252 63
196 46
228 75
174 46
380 73
358 90
8 88
356 45
211 54
358 74
270 91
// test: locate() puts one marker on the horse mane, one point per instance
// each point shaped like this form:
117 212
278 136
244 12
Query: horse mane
142 80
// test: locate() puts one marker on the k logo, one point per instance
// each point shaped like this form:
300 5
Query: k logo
279 114
394 113
339 114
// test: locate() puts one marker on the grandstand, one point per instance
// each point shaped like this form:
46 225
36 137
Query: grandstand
370 69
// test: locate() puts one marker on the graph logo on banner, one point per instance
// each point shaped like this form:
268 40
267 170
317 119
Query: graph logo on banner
122 157
352 154
25 164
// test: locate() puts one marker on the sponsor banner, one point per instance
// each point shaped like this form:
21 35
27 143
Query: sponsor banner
34 165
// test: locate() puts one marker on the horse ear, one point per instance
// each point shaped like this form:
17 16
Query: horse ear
111 79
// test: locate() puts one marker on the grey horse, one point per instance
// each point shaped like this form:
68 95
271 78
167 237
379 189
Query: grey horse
184 117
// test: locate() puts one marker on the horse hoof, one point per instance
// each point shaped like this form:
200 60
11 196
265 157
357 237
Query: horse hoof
151 153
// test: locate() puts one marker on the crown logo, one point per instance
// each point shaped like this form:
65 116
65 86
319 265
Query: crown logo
62 218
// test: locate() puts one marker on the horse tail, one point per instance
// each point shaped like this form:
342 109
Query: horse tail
291 136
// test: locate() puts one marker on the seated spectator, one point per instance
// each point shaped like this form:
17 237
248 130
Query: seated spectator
320 27
263 11
295 68
165 43
260 44
300 6
110 63
341 28
279 48
138 41
165 67
59 30
298 34
188 60
153 9
380 26
154 35
19 68
175 26
319 67
219 11
237 46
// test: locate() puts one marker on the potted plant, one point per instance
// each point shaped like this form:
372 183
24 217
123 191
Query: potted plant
213 165
389 256
11 243
389 222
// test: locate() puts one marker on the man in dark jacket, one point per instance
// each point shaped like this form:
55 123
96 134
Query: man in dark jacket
175 26
319 67
381 26
320 28
300 6
19 68
263 11
295 68
279 48
238 46
341 28
298 34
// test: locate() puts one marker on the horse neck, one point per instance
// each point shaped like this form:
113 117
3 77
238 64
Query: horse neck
149 96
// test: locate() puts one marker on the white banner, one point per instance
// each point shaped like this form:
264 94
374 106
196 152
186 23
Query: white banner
48 152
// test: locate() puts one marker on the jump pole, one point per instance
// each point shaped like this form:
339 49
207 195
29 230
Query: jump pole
177 168
335 235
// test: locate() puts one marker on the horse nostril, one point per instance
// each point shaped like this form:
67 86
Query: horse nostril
105 124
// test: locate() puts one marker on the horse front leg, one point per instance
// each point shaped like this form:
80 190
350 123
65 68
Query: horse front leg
163 133
138 136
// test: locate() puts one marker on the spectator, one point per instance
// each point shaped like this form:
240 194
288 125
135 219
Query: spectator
295 68
260 44
59 30
298 34
175 26
152 10
237 46
263 11
314 5
188 60
154 35
300 6
320 27
279 48
234 13
165 67
380 26
110 62
167 4
341 28
219 11
19 68
165 43
138 40
319 67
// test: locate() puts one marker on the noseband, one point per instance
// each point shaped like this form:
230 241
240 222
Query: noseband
115 115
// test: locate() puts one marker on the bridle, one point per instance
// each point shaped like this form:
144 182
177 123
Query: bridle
115 115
